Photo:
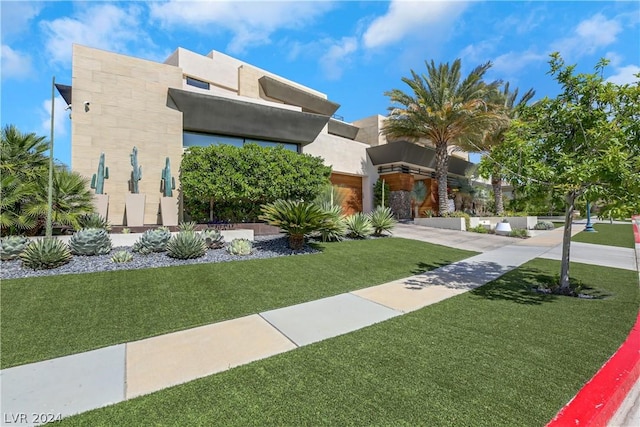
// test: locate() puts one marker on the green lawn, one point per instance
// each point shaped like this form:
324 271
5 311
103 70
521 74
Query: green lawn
498 356
608 234
48 317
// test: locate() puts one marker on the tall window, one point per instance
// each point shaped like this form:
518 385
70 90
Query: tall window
196 139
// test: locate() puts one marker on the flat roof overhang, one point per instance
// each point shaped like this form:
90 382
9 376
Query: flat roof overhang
215 114
345 130
65 92
403 152
292 95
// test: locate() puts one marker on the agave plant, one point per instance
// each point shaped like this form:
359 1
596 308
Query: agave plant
382 220
152 241
240 247
45 253
212 238
359 226
295 219
94 220
334 228
90 241
186 245
12 246
187 226
122 256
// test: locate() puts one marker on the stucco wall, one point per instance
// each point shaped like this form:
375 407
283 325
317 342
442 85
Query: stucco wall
128 107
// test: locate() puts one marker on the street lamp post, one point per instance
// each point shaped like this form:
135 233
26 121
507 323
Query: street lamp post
48 230
589 226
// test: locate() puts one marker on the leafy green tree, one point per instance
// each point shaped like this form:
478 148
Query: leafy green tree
585 143
506 103
225 176
444 109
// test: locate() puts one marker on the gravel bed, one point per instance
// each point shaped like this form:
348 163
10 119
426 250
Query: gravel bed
263 247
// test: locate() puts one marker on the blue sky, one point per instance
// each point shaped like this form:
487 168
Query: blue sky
353 51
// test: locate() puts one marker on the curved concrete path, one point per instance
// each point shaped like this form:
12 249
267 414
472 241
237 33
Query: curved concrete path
77 383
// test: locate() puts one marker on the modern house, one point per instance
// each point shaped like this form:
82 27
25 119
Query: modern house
119 102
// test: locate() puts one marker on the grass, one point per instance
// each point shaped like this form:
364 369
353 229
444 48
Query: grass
608 234
48 317
497 356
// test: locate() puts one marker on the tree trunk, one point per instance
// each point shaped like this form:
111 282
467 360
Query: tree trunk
296 241
566 243
442 168
496 183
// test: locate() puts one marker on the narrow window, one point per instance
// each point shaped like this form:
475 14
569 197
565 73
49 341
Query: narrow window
197 83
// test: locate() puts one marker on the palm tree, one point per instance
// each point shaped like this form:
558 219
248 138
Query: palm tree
505 102
22 154
444 109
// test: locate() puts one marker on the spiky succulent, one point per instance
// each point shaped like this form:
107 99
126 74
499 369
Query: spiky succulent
544 225
45 253
90 241
12 246
359 226
187 226
94 220
212 238
382 220
152 241
240 247
334 227
121 256
186 245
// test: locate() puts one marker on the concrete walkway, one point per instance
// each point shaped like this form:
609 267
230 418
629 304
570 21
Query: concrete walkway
77 383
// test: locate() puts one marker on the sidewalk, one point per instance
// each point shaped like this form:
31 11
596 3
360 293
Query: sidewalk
80 382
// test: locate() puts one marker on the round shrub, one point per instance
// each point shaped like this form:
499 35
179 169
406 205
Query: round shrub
12 246
90 241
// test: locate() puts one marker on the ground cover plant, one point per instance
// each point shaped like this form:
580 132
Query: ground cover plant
497 356
608 234
99 309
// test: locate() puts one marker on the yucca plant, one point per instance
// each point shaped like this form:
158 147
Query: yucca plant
12 246
334 228
295 219
240 247
94 220
90 241
122 256
186 245
382 220
359 226
187 226
45 253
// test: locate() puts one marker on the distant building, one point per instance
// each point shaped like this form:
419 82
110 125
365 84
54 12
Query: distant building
189 100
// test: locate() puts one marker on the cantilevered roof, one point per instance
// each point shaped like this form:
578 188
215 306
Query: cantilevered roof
407 152
215 114
292 95
65 92
345 130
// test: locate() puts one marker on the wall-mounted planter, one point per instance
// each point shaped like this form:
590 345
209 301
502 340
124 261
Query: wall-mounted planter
169 210
134 206
101 204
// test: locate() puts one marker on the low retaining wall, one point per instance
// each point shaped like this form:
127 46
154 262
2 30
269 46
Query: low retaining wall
448 223
522 222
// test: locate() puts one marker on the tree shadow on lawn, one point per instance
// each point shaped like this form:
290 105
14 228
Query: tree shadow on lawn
517 286
423 267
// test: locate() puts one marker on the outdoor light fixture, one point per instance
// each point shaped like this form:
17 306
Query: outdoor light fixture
86 105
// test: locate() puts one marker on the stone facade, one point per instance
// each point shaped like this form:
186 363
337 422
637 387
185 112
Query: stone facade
400 204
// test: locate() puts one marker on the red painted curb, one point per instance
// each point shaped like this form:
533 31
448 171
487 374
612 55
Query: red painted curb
599 399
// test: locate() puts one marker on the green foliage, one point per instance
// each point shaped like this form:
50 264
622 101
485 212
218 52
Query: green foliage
122 256
419 192
240 247
187 226
382 220
237 181
136 172
212 238
428 213
378 193
167 182
186 245
90 241
544 225
125 230
359 226
152 241
12 246
93 220
47 253
478 229
295 219
519 232
334 228
97 180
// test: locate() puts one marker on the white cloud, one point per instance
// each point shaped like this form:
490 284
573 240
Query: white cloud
407 18
16 16
60 117
625 75
104 26
479 52
251 23
15 64
338 56
512 62
589 35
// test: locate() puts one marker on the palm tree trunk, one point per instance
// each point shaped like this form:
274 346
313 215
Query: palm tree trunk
442 168
496 183
566 244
